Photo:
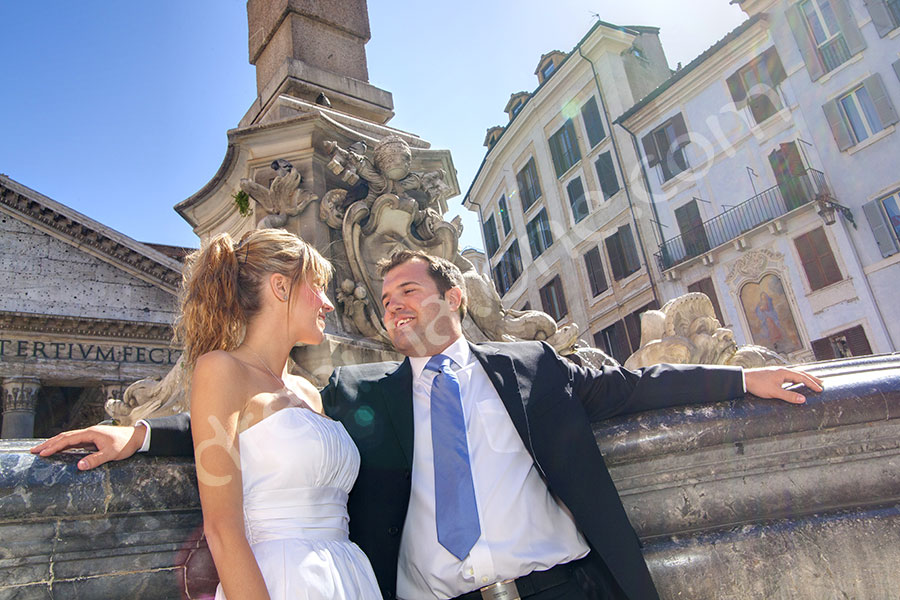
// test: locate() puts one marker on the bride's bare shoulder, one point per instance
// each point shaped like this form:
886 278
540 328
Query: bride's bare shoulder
306 390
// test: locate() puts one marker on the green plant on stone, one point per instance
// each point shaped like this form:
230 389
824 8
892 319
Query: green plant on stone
242 201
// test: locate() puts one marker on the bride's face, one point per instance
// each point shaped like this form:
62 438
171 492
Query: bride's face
309 305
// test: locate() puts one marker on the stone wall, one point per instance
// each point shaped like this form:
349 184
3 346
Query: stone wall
44 275
742 499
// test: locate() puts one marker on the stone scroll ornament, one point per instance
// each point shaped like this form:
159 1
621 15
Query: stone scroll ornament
686 331
388 207
151 397
283 199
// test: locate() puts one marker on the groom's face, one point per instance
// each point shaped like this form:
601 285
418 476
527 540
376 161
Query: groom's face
418 319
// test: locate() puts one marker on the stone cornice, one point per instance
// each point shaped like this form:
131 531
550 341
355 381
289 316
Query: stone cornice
71 226
84 327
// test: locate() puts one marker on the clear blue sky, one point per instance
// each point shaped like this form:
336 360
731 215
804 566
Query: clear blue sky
119 109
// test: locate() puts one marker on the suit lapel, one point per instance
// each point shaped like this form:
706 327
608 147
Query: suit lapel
509 386
396 390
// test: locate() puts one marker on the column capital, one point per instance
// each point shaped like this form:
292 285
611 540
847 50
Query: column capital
20 394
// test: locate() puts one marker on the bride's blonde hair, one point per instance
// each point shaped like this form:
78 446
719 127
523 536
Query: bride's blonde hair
222 283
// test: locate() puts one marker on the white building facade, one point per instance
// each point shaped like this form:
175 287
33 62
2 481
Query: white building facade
772 165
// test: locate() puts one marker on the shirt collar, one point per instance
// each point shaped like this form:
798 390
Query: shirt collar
458 351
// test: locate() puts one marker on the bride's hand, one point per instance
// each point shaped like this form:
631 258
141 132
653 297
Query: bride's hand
112 443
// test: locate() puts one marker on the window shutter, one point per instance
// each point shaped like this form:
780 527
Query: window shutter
773 66
560 297
622 351
830 270
847 22
736 87
524 192
632 263
681 135
545 301
592 122
839 128
556 154
857 340
614 251
881 18
650 150
881 228
897 68
822 349
797 22
880 99
607 175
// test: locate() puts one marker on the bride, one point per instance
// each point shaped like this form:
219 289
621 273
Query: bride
273 471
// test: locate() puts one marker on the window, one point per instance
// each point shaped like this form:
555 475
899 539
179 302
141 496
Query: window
884 219
614 341
596 277
577 199
548 69
553 300
826 33
504 215
622 253
606 173
539 236
508 269
850 342
564 148
885 15
754 85
623 337
664 146
491 242
817 259
705 286
592 122
529 186
859 114
517 107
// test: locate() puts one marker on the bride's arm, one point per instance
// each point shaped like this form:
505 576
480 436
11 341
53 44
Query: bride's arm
217 396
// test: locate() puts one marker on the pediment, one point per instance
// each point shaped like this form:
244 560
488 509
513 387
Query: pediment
88 236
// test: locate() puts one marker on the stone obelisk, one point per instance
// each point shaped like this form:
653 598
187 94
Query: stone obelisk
309 50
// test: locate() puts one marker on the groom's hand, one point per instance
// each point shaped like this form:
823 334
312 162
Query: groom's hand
768 382
112 443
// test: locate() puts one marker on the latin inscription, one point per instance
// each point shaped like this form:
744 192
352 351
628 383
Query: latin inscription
27 349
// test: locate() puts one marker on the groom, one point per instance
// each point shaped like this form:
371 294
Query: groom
525 504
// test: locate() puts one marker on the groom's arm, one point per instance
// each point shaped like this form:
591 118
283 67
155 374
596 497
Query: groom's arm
171 436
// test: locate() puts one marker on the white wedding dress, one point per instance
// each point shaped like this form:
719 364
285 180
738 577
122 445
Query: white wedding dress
297 468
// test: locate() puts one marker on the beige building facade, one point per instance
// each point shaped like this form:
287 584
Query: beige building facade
562 227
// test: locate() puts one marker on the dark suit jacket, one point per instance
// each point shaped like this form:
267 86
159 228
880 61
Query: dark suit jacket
552 403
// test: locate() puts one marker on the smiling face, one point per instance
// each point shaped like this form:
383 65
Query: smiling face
419 321
308 307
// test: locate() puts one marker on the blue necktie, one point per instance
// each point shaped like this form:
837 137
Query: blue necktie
454 492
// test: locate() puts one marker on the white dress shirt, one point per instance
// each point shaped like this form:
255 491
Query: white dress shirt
523 528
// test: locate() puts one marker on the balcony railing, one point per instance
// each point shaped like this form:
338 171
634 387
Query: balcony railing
834 53
774 202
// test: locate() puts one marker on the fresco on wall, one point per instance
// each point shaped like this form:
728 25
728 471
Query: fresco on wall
769 314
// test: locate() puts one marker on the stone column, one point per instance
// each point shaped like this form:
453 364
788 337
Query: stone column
19 399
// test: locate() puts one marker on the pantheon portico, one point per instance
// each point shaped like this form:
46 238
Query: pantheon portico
84 312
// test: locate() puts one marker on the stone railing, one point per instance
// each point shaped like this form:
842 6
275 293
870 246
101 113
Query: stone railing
743 499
